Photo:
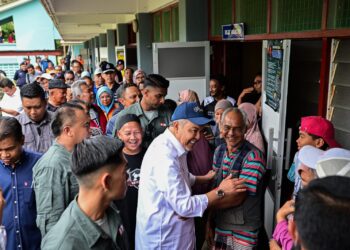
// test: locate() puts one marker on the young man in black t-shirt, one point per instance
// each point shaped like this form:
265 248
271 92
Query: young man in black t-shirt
130 133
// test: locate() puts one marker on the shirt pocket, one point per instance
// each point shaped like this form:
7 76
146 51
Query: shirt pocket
28 197
29 139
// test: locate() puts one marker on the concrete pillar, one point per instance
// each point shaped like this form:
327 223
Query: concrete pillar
193 20
122 34
144 42
97 44
111 46
93 54
103 40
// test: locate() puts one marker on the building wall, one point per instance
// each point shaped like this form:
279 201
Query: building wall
34 28
34 31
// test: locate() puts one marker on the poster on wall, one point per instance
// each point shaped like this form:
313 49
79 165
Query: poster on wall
274 73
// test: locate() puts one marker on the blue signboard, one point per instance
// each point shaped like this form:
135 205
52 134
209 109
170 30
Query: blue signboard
233 31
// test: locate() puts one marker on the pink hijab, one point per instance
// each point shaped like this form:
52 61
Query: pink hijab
253 134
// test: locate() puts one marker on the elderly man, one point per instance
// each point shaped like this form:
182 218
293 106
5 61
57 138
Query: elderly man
98 80
44 80
35 120
81 91
139 78
166 207
237 227
154 116
91 221
57 94
54 184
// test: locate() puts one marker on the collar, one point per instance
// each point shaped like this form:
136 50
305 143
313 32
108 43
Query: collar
47 118
239 149
141 112
91 231
180 150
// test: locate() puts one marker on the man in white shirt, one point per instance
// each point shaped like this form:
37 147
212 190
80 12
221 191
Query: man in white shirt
166 207
11 103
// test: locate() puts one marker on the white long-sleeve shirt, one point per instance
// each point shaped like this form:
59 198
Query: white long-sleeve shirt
165 197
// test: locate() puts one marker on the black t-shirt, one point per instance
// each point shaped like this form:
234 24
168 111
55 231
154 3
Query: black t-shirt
128 206
252 97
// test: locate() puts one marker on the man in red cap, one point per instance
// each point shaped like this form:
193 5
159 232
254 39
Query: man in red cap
314 131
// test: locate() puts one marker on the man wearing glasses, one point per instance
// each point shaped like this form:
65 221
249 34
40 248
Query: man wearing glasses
237 227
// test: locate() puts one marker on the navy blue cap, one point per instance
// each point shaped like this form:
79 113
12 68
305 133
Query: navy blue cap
192 112
120 62
107 67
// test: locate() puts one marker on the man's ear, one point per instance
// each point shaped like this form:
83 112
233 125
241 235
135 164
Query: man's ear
121 100
319 143
176 125
144 91
106 180
67 130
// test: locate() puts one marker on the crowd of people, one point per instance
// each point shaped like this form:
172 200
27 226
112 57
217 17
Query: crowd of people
103 161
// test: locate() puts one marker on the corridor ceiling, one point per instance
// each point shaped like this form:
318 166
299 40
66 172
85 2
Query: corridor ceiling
80 20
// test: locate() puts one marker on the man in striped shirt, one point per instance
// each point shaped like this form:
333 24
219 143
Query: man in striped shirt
237 227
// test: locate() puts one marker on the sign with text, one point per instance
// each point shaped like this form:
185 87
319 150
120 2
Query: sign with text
233 31
274 73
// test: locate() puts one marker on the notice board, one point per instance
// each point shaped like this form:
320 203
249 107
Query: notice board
274 73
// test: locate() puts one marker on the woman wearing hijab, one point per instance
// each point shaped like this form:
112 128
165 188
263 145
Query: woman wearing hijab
105 100
253 134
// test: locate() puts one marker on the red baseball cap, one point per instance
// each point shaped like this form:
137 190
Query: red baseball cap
321 127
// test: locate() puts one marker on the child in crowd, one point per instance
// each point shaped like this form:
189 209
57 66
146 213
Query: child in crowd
315 131
314 163
130 133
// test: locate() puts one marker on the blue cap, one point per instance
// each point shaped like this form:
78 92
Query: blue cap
192 112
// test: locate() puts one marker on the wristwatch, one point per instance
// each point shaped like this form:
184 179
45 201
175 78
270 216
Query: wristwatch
220 193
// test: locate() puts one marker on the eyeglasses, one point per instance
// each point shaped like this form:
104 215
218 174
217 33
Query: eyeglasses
234 130
69 79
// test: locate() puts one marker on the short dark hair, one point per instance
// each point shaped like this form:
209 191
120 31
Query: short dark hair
121 90
322 213
157 81
30 66
219 79
170 104
10 127
68 72
6 83
325 146
66 113
95 153
128 68
33 90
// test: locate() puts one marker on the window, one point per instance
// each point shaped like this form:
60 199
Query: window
7 31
